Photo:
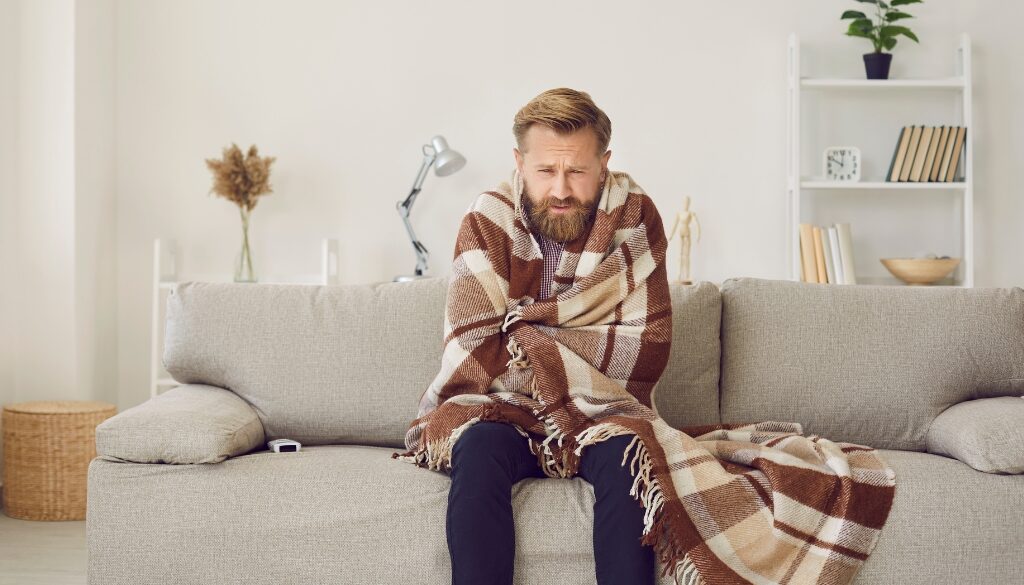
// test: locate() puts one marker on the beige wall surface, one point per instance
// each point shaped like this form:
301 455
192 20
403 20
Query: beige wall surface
344 94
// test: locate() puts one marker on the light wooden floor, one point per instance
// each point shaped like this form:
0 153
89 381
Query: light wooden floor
50 553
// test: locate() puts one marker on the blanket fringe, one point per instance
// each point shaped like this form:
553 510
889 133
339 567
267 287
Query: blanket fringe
687 574
518 358
645 487
437 455
417 459
515 314
535 388
561 463
647 490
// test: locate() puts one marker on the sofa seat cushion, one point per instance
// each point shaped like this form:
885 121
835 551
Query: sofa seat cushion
949 524
325 514
352 514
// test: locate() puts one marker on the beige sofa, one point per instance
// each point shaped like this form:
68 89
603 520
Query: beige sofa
184 490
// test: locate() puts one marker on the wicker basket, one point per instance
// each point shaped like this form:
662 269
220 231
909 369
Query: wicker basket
47 449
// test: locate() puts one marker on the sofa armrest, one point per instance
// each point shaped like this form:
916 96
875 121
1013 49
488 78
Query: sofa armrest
194 423
987 434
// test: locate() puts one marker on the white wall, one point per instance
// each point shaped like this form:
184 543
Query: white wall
345 93
57 215
45 350
95 201
38 204
9 41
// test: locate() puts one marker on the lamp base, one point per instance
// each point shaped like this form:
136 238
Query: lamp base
408 277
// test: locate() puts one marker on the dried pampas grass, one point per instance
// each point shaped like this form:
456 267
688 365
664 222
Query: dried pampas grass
241 179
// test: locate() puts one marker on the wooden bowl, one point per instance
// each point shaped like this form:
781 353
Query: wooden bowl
920 271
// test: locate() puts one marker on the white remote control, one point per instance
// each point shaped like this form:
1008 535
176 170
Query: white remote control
284 446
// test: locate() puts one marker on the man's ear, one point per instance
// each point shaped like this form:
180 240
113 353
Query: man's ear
604 159
519 159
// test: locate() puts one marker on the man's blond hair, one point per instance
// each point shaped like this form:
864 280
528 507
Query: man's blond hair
565 111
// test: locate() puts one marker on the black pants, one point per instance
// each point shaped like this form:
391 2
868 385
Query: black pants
488 458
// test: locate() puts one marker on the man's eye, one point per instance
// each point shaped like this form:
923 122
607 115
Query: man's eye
545 170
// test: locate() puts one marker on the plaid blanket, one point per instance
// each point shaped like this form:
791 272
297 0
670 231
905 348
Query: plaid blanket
727 503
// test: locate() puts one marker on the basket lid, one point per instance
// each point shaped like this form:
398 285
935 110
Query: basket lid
59 407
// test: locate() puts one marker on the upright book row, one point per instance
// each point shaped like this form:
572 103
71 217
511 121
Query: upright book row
927 154
826 254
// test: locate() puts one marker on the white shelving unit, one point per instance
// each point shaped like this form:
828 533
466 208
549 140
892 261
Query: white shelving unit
801 185
166 275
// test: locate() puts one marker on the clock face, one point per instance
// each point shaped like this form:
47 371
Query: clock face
842 163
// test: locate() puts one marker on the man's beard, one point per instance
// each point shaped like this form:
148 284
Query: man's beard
561 227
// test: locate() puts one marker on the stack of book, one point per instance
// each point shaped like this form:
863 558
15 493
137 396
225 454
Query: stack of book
927 154
826 254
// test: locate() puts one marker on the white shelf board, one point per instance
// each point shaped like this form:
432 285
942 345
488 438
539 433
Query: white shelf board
825 184
936 83
308 279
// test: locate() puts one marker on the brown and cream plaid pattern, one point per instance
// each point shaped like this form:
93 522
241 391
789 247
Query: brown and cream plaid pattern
732 503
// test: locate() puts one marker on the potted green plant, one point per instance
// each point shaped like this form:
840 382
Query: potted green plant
881 31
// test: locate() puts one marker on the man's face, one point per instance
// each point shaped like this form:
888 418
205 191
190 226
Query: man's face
561 179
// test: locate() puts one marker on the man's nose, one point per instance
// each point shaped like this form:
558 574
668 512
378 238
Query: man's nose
560 189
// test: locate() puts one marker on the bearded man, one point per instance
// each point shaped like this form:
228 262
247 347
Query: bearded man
558 325
584 240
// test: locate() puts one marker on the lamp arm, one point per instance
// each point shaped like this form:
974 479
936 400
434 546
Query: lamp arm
428 160
421 250
405 209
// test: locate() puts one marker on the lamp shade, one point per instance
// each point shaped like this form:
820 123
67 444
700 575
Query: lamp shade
448 161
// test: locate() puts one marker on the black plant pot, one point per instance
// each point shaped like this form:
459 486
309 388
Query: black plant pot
877 65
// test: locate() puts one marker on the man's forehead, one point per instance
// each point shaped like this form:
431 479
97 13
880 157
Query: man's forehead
550 156
546 147
559 163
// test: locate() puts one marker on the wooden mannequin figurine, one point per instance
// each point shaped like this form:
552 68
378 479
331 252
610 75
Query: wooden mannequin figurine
682 222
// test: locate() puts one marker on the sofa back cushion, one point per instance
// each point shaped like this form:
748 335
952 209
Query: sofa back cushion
321 364
687 392
866 364
347 364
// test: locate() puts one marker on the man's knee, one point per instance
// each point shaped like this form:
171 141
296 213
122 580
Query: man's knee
604 460
483 443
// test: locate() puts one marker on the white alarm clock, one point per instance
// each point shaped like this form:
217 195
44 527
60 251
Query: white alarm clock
842 163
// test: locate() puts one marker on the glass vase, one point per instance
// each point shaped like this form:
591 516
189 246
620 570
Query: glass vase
243 262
